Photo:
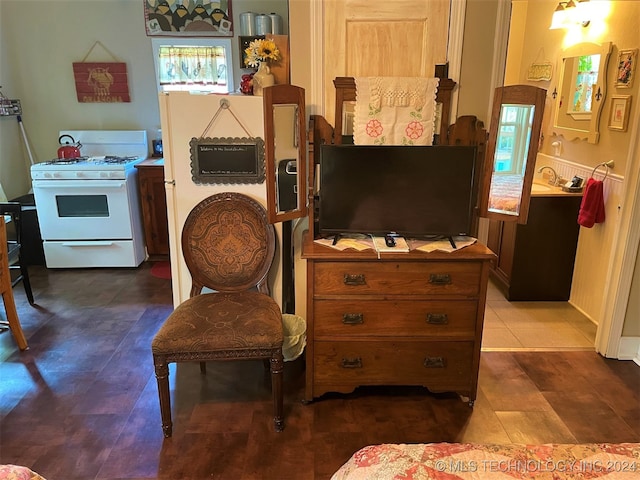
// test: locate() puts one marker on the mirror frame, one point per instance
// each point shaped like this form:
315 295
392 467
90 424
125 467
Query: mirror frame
592 134
513 95
285 95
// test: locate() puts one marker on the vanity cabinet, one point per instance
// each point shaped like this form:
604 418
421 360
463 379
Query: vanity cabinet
402 319
535 260
154 206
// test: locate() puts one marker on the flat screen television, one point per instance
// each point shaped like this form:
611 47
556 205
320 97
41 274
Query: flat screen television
412 191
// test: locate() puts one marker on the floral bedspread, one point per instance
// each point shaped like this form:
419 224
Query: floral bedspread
467 461
17 472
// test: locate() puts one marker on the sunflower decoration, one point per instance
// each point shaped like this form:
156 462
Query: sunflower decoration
260 51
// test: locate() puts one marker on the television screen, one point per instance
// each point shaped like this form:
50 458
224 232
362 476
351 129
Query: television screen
413 191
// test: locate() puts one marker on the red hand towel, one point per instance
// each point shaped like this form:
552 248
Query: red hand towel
592 206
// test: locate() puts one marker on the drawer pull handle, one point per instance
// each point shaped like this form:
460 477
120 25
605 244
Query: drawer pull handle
354 279
440 278
435 362
352 318
351 362
437 318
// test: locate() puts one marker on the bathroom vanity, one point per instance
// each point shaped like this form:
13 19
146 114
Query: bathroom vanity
535 260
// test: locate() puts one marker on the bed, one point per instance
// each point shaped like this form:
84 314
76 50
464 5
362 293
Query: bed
466 461
18 472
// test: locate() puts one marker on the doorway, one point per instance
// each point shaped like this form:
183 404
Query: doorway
610 320
534 326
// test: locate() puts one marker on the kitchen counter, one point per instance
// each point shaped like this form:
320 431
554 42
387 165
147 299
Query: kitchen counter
151 162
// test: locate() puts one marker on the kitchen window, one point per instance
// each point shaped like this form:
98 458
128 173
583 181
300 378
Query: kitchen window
196 65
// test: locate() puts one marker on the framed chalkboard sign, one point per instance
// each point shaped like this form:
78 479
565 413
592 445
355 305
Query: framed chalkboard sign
227 160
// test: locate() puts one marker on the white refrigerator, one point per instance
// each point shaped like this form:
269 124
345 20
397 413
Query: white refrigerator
185 116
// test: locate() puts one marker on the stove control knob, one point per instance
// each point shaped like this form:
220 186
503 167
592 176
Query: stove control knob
79 174
47 175
57 175
104 174
113 174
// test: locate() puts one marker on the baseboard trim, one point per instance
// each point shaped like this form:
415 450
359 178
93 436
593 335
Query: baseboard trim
577 307
629 349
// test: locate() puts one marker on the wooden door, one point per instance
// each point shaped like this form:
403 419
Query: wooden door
401 38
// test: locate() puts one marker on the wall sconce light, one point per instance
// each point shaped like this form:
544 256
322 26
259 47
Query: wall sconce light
569 14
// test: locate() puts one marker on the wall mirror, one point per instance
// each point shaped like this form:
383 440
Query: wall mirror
581 90
285 152
510 158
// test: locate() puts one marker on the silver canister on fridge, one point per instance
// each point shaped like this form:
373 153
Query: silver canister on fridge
248 24
263 24
276 23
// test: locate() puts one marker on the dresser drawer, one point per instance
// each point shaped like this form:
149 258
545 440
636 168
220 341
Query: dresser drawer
400 278
391 318
445 365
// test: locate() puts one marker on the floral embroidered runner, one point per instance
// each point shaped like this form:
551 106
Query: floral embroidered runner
395 110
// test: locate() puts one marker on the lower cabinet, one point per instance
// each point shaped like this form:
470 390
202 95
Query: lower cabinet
535 261
403 319
154 206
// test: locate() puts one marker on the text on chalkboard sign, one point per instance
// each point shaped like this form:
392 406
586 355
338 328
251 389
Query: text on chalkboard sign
227 160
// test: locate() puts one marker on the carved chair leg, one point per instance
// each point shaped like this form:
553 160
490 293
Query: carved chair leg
277 369
162 376
203 368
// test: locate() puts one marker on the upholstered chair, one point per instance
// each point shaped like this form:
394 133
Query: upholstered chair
228 246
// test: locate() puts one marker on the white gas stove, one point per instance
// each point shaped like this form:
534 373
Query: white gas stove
89 207
88 168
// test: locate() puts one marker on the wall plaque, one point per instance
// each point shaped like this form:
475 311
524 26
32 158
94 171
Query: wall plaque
101 82
227 160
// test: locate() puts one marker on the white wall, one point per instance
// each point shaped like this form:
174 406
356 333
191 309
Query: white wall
477 59
40 40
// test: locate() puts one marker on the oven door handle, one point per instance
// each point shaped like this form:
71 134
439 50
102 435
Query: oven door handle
58 184
87 244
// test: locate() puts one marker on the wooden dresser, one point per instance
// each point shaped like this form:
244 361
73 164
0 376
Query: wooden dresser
404 319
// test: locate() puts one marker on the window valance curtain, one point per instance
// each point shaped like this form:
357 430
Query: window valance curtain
192 65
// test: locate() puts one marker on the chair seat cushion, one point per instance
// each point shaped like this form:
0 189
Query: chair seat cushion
216 322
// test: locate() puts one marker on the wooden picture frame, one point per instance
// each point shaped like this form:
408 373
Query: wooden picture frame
619 112
207 18
627 60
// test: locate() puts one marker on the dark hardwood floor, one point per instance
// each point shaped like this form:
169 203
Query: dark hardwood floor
82 403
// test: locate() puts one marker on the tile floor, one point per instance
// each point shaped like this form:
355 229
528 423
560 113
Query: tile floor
534 326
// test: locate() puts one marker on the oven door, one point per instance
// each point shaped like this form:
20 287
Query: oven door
83 209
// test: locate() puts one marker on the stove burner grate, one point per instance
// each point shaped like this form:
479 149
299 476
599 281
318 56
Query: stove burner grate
119 160
66 161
